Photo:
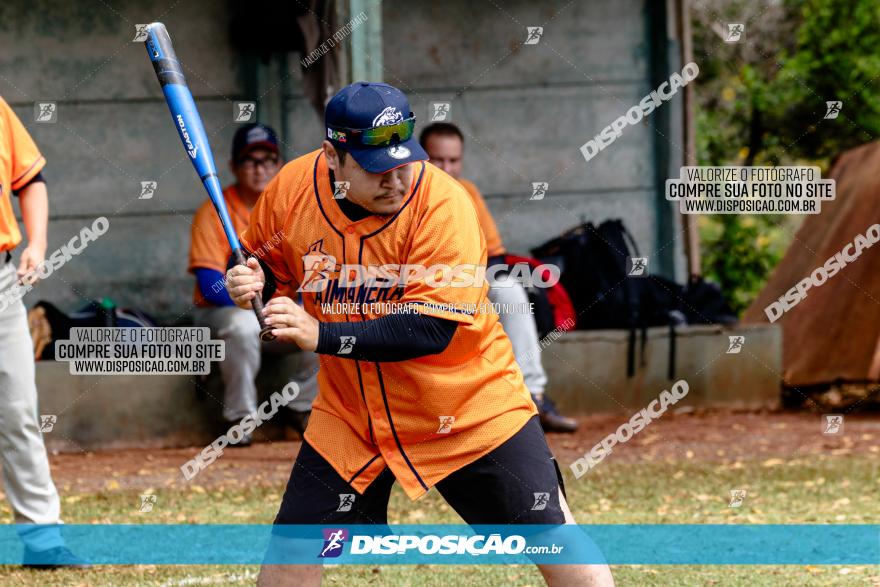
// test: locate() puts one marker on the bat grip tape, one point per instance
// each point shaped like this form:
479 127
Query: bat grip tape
257 305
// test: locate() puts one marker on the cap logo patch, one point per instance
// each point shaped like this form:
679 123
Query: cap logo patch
388 116
257 134
398 152
335 135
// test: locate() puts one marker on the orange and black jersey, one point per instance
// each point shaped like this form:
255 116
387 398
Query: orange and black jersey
424 417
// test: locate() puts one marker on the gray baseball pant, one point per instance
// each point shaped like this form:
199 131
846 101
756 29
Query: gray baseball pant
27 480
241 332
520 328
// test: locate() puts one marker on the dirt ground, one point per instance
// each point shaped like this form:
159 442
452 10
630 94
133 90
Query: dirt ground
710 436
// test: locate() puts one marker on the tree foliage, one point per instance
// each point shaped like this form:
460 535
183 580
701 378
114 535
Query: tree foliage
762 101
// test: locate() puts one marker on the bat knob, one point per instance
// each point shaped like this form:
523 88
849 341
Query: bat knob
266 334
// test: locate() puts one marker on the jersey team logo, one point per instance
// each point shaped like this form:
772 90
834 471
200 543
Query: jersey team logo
317 267
334 540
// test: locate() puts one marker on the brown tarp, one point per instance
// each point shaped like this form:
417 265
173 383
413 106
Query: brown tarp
833 334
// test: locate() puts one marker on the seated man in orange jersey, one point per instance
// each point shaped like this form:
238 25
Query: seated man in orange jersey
444 144
255 161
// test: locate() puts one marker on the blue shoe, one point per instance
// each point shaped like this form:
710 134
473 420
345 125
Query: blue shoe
59 557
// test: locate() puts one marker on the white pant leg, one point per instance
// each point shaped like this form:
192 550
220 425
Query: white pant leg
521 330
240 331
28 482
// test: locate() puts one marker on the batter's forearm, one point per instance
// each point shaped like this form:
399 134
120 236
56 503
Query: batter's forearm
34 202
396 337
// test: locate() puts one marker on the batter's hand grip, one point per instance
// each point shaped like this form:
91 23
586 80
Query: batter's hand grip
257 304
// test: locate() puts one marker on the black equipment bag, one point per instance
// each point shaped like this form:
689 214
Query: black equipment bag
610 287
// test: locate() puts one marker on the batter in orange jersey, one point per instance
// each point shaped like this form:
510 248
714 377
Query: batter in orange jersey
418 383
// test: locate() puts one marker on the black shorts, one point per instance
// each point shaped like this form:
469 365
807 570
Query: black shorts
517 483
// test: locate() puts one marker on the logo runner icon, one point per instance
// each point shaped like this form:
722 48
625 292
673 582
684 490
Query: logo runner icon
833 424
832 109
736 344
346 501
333 542
45 112
340 189
737 497
346 345
47 422
446 423
533 34
441 111
148 500
148 188
639 265
539 190
734 32
140 33
245 111
541 500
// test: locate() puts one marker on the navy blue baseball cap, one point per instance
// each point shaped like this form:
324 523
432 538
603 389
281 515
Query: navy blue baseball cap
374 123
253 136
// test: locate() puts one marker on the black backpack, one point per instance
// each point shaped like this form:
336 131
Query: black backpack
101 312
611 290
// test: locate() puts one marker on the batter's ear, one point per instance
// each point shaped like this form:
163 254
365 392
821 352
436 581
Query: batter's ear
330 156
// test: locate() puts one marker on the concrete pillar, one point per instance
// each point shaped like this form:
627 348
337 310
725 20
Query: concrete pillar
366 41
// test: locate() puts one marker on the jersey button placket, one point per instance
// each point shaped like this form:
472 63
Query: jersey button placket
379 419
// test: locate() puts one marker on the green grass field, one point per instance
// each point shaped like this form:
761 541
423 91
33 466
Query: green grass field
828 489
